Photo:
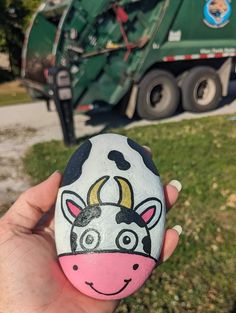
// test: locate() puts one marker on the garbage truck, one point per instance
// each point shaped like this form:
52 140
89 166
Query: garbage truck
152 55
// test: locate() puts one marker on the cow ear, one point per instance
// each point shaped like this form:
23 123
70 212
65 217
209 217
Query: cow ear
72 205
150 210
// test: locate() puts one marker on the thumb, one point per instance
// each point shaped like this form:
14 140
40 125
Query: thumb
33 204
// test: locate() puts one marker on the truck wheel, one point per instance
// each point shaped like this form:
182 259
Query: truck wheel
158 95
201 89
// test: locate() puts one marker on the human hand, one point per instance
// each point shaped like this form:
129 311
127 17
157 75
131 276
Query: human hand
31 278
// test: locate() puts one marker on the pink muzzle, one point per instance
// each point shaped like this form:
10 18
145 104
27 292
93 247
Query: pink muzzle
107 276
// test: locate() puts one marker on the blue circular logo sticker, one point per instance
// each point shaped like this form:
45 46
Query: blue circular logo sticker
217 13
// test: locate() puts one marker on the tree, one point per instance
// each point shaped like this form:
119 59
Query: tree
14 18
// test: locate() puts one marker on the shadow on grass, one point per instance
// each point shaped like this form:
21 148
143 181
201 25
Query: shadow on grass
5 76
234 308
113 119
110 120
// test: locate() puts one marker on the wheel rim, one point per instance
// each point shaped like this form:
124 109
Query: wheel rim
158 96
204 91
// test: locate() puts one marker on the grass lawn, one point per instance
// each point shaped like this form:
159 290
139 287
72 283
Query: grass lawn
201 276
13 93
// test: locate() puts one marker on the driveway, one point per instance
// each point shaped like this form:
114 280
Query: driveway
24 125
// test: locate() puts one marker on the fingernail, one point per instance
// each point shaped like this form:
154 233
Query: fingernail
147 148
177 184
178 228
54 173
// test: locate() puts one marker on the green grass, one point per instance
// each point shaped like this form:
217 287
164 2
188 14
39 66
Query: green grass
13 93
18 98
201 275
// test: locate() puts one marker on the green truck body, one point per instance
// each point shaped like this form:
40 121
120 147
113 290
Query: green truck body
150 50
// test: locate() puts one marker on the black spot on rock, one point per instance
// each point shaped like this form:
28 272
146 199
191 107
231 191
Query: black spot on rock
145 156
119 159
87 215
74 168
128 216
147 244
73 241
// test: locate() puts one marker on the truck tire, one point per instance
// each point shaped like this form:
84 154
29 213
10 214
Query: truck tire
201 89
158 95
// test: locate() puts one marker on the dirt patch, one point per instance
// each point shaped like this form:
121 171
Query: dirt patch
226 218
13 133
231 201
13 143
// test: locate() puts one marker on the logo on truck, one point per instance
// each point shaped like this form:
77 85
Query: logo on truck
217 13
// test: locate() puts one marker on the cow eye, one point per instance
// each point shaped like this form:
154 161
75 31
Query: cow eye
127 240
90 239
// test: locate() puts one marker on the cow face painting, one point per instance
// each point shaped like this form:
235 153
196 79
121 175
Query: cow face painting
110 242
109 217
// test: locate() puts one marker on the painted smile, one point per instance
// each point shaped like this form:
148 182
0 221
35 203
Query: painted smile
127 281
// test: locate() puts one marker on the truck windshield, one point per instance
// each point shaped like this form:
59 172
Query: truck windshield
54 19
56 5
54 9
55 2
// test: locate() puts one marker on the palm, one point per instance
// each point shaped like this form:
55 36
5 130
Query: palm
36 273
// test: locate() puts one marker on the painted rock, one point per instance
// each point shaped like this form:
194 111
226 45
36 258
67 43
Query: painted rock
109 219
